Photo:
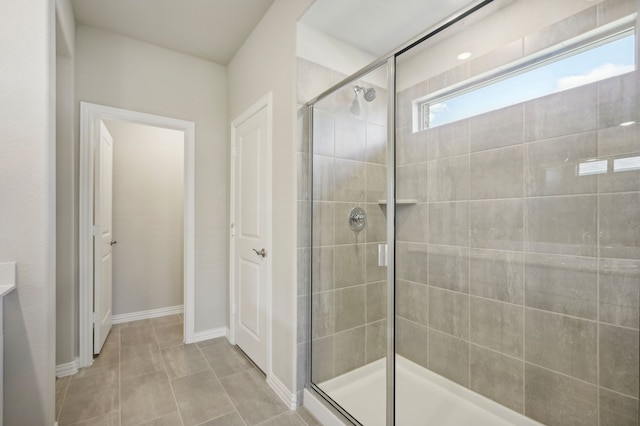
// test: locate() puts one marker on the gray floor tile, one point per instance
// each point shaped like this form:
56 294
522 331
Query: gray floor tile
225 359
89 397
166 320
136 335
169 336
231 419
172 419
290 418
61 391
111 419
140 359
253 398
210 342
146 398
200 398
183 360
307 417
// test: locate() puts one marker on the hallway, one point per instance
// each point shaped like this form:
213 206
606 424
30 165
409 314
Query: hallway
145 375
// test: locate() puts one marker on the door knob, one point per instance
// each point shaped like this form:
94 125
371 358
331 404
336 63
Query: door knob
113 242
262 252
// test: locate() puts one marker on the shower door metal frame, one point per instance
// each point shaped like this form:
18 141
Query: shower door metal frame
390 60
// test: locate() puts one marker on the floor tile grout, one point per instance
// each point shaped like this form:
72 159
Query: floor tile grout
109 366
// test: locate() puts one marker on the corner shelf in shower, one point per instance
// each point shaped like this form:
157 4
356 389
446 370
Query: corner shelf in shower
400 201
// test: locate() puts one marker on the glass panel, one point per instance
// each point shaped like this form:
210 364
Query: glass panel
349 235
518 261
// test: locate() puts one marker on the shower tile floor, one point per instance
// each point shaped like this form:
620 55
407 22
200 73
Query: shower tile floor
145 375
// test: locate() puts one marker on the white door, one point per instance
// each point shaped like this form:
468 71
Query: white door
251 259
103 238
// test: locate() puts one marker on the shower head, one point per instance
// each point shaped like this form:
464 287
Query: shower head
369 93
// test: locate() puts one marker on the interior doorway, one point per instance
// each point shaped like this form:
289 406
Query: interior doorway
93 118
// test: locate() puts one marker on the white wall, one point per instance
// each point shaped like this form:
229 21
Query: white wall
148 217
124 73
66 182
267 62
322 49
27 208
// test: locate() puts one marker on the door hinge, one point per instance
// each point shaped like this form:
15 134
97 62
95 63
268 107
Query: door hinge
94 318
233 229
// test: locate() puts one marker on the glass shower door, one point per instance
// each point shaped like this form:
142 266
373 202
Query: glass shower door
349 236
518 218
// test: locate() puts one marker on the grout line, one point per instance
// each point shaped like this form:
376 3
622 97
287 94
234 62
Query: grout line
164 365
64 397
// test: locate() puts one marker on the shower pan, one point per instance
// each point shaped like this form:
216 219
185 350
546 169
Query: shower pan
475 224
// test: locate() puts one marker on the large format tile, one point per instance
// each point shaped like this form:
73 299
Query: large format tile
563 284
376 144
323 224
617 410
498 377
349 265
561 343
411 262
183 360
323 133
563 113
89 397
350 138
231 419
614 144
171 335
290 418
146 398
448 140
111 419
412 341
137 335
140 359
551 165
496 224
349 350
448 179
252 397
200 397
350 180
619 359
412 301
226 359
557 400
619 225
323 314
562 225
172 419
411 181
412 223
62 384
166 320
497 173
449 312
322 269
449 268
323 367
618 100
350 307
376 341
497 325
448 224
496 129
376 294
497 275
323 178
376 182
449 357
619 282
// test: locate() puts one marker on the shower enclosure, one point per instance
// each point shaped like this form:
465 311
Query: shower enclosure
475 223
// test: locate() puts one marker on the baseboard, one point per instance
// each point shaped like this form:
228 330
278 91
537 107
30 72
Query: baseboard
152 313
200 336
64 370
288 397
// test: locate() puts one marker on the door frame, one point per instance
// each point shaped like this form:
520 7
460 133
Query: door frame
89 114
266 102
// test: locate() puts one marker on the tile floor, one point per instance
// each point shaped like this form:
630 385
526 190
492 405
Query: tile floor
145 375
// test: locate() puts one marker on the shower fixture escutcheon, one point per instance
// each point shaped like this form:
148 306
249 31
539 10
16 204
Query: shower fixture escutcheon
357 219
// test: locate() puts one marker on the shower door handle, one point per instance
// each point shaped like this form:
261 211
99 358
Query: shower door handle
382 255
262 252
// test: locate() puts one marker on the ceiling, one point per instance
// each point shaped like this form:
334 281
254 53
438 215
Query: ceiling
378 26
209 29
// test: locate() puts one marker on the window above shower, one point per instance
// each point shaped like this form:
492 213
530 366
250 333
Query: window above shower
595 55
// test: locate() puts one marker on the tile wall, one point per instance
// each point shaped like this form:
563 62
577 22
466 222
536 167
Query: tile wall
517 277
